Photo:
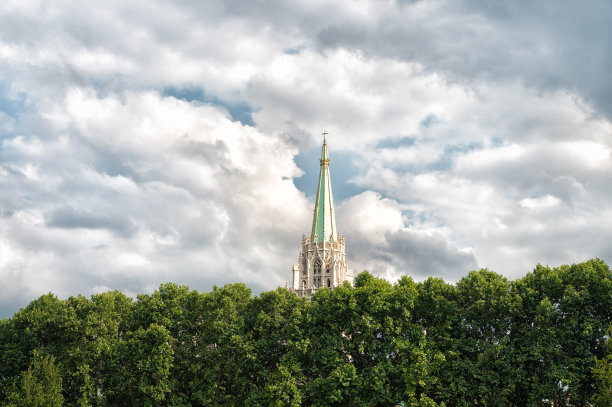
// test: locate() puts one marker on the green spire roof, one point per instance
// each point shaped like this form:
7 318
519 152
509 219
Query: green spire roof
324 219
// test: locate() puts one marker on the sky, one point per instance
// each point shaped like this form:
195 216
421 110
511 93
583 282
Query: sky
146 142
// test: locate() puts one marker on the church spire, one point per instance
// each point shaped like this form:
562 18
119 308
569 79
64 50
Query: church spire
324 219
322 261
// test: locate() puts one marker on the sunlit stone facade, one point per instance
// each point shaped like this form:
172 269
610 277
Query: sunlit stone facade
322 261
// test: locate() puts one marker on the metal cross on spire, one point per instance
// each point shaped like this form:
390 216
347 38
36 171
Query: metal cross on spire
325 133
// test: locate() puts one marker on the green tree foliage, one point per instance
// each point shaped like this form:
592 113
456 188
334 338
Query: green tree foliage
485 302
222 351
437 311
179 311
99 323
558 329
364 347
39 386
47 326
276 345
539 340
603 374
138 368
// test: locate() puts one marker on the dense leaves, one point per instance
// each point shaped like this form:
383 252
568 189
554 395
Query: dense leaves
603 374
39 386
539 340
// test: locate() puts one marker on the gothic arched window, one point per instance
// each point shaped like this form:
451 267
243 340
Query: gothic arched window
328 283
317 267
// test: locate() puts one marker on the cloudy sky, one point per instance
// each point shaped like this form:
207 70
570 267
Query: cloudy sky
148 141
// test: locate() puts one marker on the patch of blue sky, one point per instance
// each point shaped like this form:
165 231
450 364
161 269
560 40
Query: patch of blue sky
447 159
413 217
396 142
430 120
11 108
496 142
343 167
444 163
10 104
239 111
296 50
116 86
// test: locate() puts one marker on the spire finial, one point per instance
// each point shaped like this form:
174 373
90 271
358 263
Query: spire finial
325 133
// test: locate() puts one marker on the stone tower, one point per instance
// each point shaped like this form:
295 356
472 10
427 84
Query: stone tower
322 261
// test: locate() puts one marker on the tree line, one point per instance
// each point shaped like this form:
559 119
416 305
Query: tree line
540 340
